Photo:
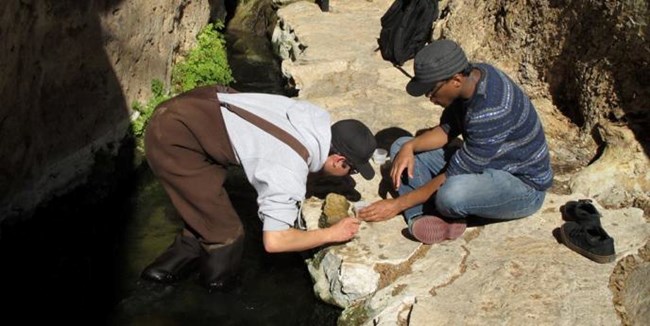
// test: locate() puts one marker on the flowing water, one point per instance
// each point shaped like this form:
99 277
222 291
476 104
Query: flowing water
78 261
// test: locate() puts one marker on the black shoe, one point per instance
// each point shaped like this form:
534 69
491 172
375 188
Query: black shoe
582 211
175 263
219 266
590 241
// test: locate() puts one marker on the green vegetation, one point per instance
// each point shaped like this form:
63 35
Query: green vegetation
206 64
158 96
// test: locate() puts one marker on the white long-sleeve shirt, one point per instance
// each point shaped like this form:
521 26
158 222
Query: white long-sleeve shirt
275 170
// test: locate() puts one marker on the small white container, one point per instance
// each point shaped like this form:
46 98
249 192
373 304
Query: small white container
380 156
356 207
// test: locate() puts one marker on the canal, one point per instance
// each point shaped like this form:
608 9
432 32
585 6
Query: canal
78 260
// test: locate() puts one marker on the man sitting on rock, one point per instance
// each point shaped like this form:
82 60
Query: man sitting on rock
192 138
499 171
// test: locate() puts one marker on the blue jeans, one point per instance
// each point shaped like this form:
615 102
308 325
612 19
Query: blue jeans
493 194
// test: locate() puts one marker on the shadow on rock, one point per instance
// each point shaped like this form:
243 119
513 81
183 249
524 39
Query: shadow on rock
320 185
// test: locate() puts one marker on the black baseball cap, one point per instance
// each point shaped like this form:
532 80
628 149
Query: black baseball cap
352 139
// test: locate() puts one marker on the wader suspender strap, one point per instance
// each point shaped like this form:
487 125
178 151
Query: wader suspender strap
272 129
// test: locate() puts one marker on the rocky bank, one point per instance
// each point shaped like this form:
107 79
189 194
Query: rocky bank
506 273
70 71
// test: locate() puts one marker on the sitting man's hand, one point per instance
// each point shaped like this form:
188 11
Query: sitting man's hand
379 211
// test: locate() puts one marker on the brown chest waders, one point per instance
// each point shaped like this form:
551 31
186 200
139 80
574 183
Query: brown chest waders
188 149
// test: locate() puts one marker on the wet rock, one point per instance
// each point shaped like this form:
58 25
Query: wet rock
336 208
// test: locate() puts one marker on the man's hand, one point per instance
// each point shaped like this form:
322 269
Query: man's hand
298 240
405 159
344 229
380 211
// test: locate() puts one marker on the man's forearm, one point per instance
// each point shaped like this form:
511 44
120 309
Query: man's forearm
295 240
429 140
422 194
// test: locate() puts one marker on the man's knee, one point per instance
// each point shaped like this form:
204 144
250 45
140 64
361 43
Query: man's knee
450 200
397 145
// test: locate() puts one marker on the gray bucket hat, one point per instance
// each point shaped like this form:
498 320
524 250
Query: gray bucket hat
439 60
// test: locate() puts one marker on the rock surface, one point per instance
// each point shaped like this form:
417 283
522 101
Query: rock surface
515 272
69 74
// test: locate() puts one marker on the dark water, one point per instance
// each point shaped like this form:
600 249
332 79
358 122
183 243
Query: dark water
82 264
274 289
78 259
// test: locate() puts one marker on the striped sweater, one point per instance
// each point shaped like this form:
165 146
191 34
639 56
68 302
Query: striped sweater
500 129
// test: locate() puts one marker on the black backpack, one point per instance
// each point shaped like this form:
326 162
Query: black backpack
405 28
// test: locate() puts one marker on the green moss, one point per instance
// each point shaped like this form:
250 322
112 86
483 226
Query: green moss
355 314
154 214
318 258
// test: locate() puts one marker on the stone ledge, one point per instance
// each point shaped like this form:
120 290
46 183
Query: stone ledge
514 272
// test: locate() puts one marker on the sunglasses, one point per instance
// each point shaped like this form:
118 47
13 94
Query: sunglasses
347 163
436 88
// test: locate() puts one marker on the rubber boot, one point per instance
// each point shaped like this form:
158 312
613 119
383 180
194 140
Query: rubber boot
175 263
219 265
